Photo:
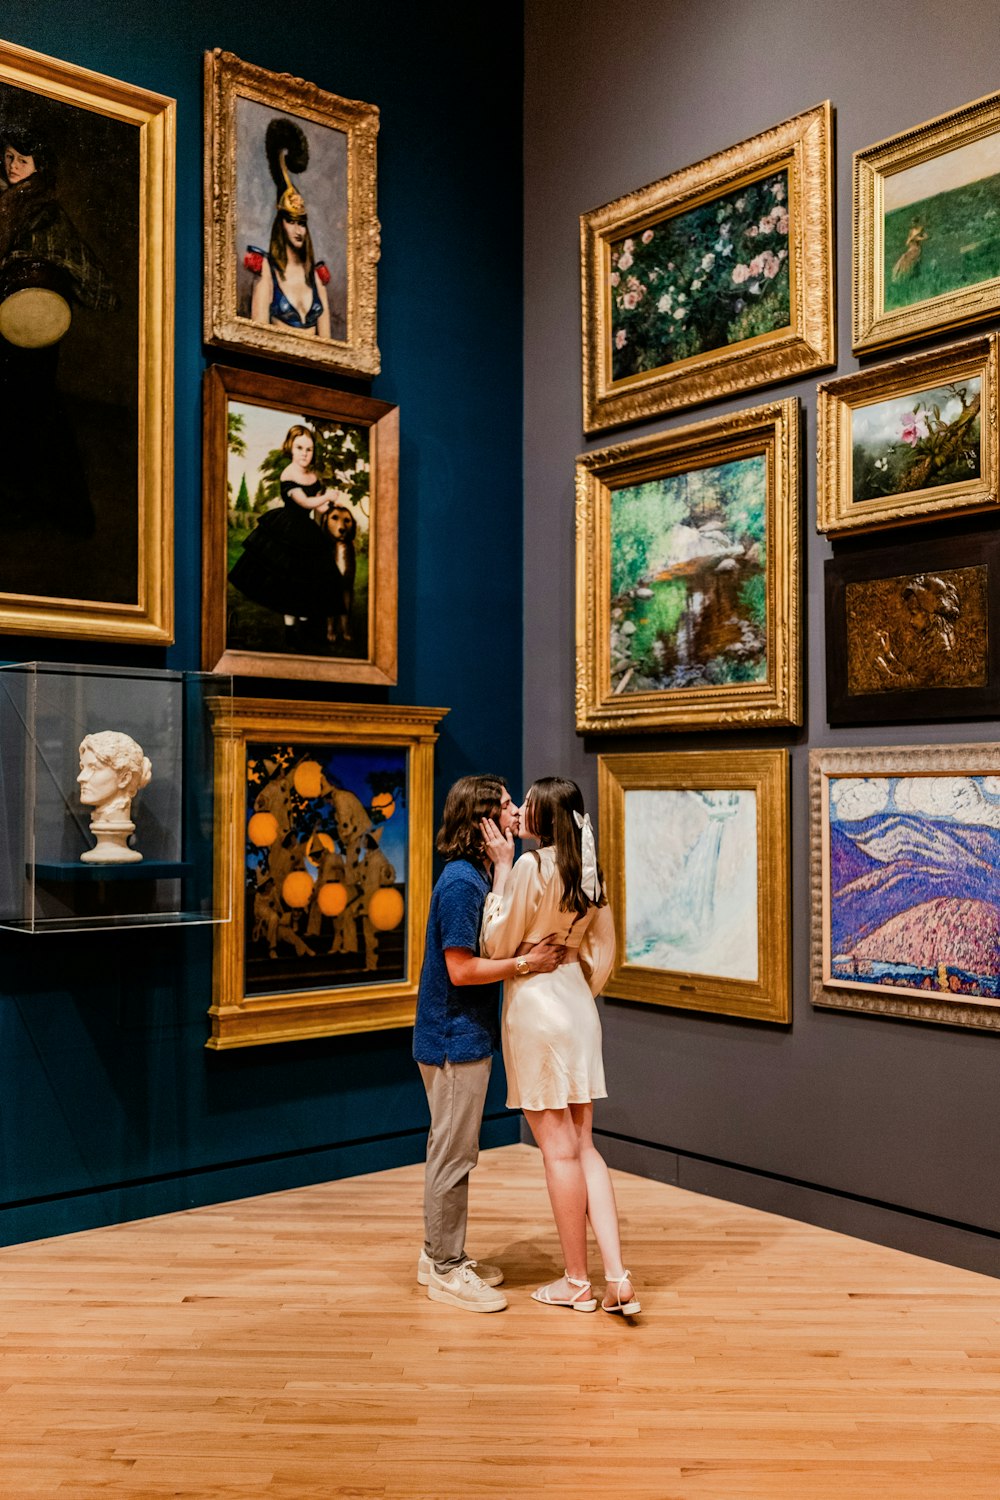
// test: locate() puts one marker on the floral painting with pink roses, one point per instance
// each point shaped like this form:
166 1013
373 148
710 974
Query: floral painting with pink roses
918 441
702 279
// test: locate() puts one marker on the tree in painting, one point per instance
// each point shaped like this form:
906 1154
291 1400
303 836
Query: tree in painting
917 442
688 579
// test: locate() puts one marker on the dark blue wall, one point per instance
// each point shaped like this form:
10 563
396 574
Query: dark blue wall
110 1108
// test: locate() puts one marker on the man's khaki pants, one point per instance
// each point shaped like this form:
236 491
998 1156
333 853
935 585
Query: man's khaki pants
456 1094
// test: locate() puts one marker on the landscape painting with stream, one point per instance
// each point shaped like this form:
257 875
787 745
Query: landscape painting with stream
689 579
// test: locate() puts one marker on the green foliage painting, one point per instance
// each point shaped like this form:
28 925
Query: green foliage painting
702 279
688 579
917 442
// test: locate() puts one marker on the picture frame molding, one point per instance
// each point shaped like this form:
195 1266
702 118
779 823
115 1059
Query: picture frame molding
880 760
836 511
873 328
772 429
803 144
226 77
226 383
239 1020
765 772
150 620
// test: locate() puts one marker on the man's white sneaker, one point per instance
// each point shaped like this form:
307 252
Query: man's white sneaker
492 1275
463 1288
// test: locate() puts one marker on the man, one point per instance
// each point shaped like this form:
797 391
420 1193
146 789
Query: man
454 1037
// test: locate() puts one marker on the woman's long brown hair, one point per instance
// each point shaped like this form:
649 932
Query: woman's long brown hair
550 805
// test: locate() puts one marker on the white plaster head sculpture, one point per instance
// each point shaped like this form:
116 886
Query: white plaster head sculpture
113 769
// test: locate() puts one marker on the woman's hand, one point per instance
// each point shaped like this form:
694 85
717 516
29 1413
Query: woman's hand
498 847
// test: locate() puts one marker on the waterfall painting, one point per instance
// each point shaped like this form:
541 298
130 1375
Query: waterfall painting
691 879
909 910
695 852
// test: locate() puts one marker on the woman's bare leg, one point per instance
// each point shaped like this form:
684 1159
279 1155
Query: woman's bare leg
602 1210
557 1138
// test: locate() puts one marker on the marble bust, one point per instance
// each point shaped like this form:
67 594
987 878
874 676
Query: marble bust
113 769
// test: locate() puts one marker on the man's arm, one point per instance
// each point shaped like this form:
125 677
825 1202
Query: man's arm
464 967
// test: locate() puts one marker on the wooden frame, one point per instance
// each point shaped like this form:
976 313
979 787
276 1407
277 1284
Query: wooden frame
764 440
943 410
914 632
752 295
340 134
88 548
248 1005
364 485
932 182
690 779
927 826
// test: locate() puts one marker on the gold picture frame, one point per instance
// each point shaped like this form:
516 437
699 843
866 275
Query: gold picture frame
922 246
931 419
913 832
248 421
342 805
338 137
727 949
89 554
744 298
745 667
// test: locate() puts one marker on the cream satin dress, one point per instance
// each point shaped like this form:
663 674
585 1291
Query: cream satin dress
551 1032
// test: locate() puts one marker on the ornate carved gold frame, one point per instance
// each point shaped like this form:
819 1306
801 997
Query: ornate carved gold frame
882 761
873 328
837 399
803 146
150 621
242 1021
764 772
772 430
227 77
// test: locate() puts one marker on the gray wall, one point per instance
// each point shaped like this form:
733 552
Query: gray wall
882 1128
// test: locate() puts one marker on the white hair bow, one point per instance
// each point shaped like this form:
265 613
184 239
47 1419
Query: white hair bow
588 858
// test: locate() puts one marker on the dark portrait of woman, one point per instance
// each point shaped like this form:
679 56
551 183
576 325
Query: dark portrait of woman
46 267
290 284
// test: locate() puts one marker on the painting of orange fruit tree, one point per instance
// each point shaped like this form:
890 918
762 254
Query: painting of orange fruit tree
325 866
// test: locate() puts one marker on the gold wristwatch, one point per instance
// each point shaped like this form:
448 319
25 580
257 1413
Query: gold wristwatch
521 966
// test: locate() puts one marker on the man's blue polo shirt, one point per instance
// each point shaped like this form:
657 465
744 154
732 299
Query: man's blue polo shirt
455 1023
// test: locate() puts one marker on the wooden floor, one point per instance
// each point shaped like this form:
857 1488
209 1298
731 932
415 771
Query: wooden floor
279 1347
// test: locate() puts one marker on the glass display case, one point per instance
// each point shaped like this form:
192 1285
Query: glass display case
107 797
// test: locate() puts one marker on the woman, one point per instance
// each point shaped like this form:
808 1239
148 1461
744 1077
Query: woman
290 286
285 564
551 1032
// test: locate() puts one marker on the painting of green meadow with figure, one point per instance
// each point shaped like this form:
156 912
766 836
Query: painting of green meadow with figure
942 224
689 580
917 442
702 279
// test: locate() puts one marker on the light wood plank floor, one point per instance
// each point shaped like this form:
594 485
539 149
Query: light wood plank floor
278 1347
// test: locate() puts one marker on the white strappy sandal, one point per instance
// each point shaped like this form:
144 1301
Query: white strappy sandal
579 1301
618 1306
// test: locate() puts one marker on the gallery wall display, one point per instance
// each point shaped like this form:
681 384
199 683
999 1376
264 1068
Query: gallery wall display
300 515
905 860
925 242
911 440
716 279
86 353
106 798
687 576
695 851
913 632
291 232
324 847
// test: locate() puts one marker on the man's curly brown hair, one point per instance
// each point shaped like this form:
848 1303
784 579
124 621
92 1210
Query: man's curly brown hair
468 801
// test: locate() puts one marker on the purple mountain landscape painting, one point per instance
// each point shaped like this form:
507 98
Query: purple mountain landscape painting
914 898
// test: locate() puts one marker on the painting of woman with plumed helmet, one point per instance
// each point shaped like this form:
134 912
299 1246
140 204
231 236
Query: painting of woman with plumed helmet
78 496
291 233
